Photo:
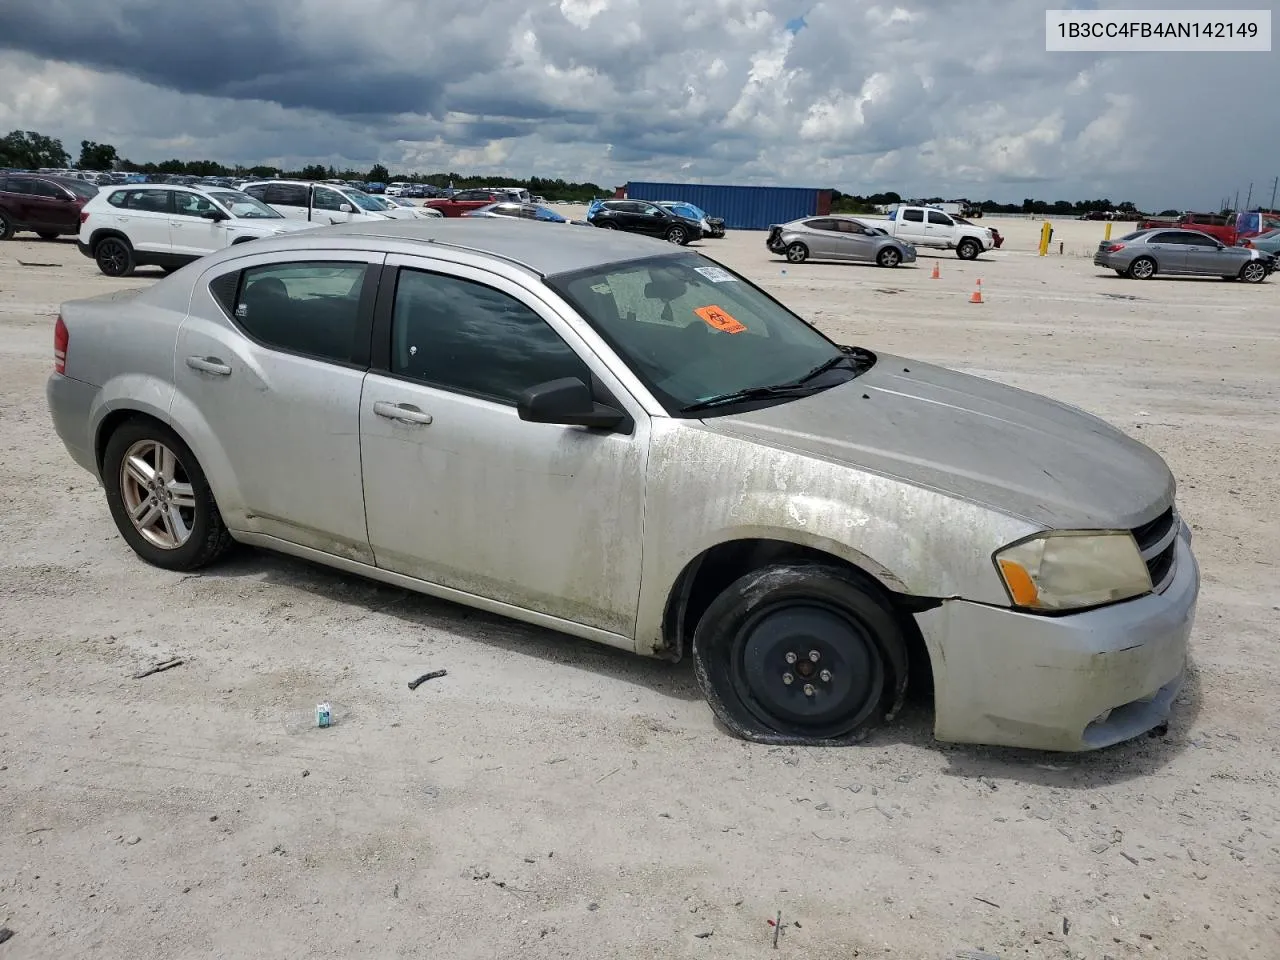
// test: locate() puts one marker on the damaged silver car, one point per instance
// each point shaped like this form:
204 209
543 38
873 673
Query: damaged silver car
626 441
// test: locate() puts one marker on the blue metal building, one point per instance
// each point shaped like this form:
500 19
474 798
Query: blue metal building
743 208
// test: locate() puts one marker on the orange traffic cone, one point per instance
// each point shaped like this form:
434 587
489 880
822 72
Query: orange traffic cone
976 296
936 272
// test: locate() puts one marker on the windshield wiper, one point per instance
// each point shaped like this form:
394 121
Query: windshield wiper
749 393
792 388
822 368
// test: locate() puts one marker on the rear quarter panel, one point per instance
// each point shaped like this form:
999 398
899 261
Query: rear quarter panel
123 343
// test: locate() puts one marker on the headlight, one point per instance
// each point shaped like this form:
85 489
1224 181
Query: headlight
1071 569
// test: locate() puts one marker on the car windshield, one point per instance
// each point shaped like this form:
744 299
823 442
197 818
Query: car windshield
360 199
243 206
694 331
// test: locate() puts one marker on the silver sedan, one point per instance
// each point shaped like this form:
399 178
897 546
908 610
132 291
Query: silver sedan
837 237
1146 253
626 441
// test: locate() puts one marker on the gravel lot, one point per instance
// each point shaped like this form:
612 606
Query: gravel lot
549 798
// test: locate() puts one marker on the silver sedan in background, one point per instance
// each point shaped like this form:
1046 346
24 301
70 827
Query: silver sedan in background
838 238
1142 255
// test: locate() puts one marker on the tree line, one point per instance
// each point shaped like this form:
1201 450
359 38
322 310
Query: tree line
29 150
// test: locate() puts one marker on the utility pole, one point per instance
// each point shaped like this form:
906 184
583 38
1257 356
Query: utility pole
1248 198
1236 205
1274 182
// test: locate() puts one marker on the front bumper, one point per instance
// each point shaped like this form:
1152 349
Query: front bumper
1074 682
70 403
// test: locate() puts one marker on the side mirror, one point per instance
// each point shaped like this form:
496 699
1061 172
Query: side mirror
344 208
214 215
567 402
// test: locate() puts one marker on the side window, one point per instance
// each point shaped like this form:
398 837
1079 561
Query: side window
1168 237
42 188
821 224
940 218
465 195
915 216
191 204
311 308
287 194
848 226
465 336
118 198
258 190
21 185
328 200
149 201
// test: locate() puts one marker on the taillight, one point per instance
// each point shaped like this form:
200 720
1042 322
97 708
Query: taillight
60 341
84 215
1115 247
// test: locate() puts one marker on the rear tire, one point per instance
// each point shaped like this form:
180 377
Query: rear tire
608 225
114 257
49 236
187 531
801 653
6 228
797 253
1144 268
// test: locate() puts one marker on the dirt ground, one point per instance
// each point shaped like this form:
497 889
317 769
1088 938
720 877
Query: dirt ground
549 798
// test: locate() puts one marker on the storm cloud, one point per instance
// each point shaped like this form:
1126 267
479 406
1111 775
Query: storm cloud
924 98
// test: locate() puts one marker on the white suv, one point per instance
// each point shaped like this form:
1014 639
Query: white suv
327 203
165 225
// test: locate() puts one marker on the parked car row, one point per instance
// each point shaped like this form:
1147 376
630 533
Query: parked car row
46 205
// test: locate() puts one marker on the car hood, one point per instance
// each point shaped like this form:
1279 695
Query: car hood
1017 452
278 226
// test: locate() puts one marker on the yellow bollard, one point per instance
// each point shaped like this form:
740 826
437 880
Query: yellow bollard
1046 234
1107 233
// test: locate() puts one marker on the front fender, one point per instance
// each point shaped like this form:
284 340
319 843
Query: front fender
705 489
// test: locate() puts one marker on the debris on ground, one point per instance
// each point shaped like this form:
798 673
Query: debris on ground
24 263
160 667
5 934
433 675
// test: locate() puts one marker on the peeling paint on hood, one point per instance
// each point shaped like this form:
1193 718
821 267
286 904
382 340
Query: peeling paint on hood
1013 451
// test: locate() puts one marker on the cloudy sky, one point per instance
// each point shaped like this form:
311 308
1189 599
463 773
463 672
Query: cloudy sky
927 98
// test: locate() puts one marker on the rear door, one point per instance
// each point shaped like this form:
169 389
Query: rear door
911 227
20 199
145 219
1170 251
822 237
271 362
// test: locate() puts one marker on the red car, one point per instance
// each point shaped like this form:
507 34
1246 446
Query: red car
465 200
45 205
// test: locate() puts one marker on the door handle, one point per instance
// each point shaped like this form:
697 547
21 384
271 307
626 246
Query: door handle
402 412
209 365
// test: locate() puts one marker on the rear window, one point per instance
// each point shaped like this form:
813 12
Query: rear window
81 188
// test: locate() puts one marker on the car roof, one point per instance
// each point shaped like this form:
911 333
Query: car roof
517 241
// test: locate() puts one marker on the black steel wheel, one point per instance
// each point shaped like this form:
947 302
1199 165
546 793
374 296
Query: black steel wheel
968 249
801 654
6 228
114 257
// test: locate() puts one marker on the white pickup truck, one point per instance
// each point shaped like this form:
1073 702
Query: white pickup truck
930 227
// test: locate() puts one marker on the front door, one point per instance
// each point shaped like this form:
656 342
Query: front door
53 209
191 233
853 242
1204 257
939 229
275 370
459 491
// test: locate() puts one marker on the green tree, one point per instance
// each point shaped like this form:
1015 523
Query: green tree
378 174
96 156
313 172
28 150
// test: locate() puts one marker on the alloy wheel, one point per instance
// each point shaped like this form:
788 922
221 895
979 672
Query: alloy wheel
157 494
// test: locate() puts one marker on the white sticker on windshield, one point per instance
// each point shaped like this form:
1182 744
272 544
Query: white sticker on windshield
716 274
602 288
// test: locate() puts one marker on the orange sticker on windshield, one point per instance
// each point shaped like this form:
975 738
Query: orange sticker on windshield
715 317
